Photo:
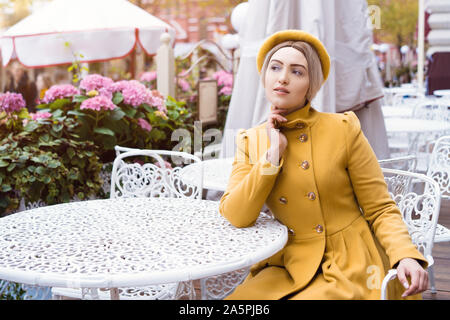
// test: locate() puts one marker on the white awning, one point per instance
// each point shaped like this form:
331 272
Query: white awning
98 29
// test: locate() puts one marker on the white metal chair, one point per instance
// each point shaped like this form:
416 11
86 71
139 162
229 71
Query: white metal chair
439 171
406 163
420 212
148 174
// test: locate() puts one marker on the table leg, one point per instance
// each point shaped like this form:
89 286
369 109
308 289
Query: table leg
114 294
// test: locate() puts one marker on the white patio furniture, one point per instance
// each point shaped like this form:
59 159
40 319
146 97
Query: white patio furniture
413 136
149 179
442 93
405 163
216 173
420 212
439 171
398 111
130 243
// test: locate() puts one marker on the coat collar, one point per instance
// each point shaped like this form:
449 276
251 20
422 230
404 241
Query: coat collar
301 118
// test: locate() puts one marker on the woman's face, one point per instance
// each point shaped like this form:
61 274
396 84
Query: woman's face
287 79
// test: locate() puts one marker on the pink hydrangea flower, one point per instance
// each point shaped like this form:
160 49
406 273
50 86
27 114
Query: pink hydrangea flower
185 86
98 103
145 125
60 91
99 83
148 76
134 93
223 78
11 102
40 115
226 91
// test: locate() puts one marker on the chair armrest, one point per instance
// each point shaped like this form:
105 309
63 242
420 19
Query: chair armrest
392 274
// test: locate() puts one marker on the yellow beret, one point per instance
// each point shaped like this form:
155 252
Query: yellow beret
294 35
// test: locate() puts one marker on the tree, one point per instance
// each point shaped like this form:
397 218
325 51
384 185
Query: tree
12 12
398 21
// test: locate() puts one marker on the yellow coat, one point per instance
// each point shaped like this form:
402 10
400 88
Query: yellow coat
328 172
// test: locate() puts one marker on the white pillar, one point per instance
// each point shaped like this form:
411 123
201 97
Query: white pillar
165 67
421 45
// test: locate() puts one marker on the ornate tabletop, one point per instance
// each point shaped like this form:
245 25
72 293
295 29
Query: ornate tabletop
129 242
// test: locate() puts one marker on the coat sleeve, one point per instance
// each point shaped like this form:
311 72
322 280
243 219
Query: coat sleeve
379 209
250 183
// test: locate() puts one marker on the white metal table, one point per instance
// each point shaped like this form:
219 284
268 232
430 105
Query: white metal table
216 173
412 125
129 242
442 93
397 112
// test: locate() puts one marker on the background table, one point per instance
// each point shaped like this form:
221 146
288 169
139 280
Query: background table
129 242
442 93
216 173
397 112
410 125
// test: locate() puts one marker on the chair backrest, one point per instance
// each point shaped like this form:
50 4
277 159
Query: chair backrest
405 163
145 173
418 198
439 167
430 109
410 99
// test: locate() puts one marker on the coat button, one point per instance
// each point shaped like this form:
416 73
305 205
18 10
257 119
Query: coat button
305 165
300 125
291 232
311 196
303 137
319 228
283 200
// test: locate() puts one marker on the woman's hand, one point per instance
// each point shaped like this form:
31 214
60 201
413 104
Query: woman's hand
419 276
278 141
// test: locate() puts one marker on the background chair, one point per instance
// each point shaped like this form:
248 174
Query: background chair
420 212
439 171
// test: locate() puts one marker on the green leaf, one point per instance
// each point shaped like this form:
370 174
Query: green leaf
147 107
54 164
23 114
129 111
117 98
11 167
59 103
173 114
40 170
42 106
116 114
57 113
6 188
76 113
31 126
70 152
104 131
3 163
44 138
57 127
79 98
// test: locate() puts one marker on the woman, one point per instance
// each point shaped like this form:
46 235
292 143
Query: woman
318 175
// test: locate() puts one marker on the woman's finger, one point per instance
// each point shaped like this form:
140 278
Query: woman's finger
424 280
402 278
414 284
